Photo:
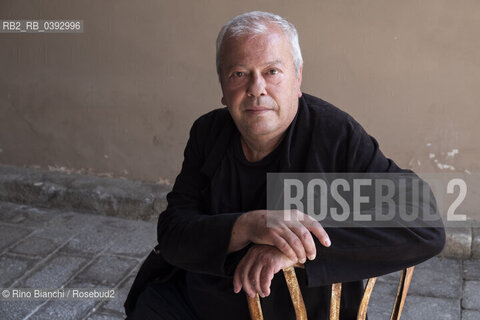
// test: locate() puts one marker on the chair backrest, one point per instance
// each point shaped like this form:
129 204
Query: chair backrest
299 306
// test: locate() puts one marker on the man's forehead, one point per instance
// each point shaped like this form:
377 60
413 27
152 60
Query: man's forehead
253 43
255 57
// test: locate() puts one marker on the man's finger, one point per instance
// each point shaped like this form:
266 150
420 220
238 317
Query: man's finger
237 283
316 228
255 280
285 248
247 286
308 244
266 279
295 243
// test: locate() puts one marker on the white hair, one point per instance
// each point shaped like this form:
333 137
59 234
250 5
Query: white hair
256 23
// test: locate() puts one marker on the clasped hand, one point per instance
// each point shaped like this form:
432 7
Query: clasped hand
279 243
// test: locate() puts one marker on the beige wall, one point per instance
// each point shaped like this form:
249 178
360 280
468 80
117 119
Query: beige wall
120 98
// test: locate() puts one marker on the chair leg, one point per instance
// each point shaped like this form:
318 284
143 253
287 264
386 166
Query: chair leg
299 305
255 307
335 301
402 291
295 293
362 310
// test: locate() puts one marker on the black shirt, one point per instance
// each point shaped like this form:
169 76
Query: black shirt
211 192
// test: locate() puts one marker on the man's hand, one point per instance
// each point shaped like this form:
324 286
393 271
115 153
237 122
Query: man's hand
292 237
254 273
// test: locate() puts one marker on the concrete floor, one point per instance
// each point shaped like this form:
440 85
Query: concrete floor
49 248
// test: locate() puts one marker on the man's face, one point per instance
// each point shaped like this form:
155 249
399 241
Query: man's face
259 83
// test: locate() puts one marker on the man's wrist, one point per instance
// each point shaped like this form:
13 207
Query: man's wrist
240 236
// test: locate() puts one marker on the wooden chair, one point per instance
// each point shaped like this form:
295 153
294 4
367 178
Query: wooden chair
299 305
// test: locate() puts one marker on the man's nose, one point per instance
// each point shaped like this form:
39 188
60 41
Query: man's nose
257 85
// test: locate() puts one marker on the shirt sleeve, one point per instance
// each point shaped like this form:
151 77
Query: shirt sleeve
189 236
362 252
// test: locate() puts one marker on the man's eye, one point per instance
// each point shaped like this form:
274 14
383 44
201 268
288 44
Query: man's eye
273 71
238 74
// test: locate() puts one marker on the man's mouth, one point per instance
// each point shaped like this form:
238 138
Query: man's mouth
257 109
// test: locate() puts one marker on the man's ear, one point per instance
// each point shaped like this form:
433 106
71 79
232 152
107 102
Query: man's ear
223 101
299 79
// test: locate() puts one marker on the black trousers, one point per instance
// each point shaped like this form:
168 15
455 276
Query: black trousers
163 301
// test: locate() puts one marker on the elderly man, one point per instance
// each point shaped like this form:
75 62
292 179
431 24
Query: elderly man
214 240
